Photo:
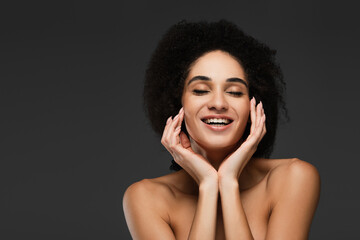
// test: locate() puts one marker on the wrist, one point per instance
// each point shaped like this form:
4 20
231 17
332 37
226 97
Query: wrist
209 185
228 183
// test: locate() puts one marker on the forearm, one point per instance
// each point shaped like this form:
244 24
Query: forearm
235 222
204 223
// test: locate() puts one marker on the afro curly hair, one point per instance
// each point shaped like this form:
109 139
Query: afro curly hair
183 44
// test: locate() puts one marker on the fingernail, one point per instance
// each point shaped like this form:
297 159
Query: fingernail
167 122
176 116
181 110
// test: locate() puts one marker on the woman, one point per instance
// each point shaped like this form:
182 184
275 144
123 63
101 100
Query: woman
224 91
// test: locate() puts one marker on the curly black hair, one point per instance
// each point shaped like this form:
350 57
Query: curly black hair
184 43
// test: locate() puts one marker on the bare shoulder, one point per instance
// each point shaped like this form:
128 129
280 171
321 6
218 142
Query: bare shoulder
283 169
293 190
151 194
149 189
146 207
291 175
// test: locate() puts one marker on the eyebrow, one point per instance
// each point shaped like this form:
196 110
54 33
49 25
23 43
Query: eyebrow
204 78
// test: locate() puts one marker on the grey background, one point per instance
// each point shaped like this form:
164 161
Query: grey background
74 135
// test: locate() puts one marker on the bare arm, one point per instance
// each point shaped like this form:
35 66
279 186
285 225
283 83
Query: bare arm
295 190
177 143
148 218
235 222
204 223
145 216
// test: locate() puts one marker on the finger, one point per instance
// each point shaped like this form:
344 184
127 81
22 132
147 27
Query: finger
168 135
164 138
264 123
262 130
256 117
171 136
176 128
171 127
175 122
168 125
181 117
259 131
252 114
168 121
175 139
253 138
258 114
178 120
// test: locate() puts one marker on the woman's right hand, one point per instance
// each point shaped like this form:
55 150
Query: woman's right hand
178 144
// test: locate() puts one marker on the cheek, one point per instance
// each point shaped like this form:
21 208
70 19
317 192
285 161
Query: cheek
189 123
247 113
244 117
191 109
243 110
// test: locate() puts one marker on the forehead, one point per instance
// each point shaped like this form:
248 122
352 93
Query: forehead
217 65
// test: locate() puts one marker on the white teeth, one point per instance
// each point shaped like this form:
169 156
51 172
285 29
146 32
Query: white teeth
217 120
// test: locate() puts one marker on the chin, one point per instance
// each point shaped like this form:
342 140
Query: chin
217 143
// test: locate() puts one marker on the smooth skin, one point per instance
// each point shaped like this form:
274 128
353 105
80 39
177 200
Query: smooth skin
222 192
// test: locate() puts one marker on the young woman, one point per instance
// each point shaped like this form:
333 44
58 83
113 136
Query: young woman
224 91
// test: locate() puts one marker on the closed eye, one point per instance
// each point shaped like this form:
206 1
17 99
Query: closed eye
200 92
236 93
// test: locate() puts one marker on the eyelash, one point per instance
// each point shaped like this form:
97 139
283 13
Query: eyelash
202 92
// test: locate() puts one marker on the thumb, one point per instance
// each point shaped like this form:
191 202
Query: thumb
185 142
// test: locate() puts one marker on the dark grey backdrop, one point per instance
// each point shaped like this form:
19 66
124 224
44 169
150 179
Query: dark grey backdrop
73 132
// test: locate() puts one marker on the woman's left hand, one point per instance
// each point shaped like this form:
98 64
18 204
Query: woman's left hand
233 165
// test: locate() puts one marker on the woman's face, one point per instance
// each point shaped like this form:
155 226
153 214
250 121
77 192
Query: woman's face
216 101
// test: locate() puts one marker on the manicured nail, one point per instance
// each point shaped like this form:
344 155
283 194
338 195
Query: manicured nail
167 122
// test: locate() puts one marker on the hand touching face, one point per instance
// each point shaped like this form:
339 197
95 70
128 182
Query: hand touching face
178 145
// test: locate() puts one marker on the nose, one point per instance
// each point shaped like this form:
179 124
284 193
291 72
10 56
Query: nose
218 102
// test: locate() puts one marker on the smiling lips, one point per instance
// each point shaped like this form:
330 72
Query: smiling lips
217 122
